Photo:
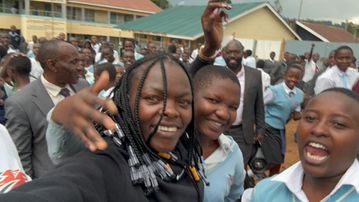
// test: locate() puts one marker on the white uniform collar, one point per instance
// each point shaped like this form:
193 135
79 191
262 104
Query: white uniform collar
293 179
221 153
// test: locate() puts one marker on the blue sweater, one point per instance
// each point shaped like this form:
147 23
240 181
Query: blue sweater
278 111
277 187
225 172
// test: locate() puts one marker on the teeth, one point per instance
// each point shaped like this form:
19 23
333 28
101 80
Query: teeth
318 146
167 128
314 157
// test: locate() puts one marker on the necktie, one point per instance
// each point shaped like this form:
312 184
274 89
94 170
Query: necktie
345 80
291 94
64 92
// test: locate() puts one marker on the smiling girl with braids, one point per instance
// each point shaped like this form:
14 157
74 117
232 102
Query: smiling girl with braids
151 154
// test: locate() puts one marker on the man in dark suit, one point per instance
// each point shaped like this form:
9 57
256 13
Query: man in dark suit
26 110
270 63
249 124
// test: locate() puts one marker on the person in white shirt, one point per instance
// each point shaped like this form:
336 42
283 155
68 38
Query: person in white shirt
6 40
265 76
248 59
36 69
95 46
339 75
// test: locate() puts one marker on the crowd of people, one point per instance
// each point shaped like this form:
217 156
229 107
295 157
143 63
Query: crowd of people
85 122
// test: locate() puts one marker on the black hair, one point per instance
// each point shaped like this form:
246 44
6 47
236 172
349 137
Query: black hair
207 75
343 48
3 51
21 64
260 64
294 65
129 119
171 49
130 40
110 68
344 91
248 52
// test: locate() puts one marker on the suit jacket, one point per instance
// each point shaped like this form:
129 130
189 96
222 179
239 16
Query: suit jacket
278 72
26 112
253 106
269 66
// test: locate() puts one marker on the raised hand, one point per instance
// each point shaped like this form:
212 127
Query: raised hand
212 25
78 112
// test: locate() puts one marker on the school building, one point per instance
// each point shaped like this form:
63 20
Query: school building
80 18
257 25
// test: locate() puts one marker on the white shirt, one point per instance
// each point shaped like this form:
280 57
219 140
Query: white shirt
54 90
115 55
332 78
309 70
36 69
241 80
265 79
96 47
10 50
220 154
249 61
292 177
193 55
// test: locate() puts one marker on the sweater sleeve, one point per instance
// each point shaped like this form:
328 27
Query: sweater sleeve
237 189
61 144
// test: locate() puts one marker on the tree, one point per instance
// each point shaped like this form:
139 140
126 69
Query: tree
161 3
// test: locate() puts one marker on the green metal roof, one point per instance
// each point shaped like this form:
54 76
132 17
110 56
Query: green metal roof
182 21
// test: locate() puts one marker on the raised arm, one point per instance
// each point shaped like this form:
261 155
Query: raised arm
212 26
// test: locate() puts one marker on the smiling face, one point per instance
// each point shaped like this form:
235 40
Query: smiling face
329 135
343 58
215 110
233 54
178 112
291 77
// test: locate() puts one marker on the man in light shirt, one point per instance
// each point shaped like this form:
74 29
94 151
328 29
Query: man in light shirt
26 110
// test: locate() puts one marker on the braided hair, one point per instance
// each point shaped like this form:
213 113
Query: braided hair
129 121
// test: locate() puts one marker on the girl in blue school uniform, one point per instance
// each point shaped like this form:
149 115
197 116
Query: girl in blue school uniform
282 102
328 143
215 112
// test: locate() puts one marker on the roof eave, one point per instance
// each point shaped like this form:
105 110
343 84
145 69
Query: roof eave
107 6
312 31
161 34
256 8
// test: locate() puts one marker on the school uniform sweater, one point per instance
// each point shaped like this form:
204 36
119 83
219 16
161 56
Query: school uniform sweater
103 177
287 186
279 109
225 172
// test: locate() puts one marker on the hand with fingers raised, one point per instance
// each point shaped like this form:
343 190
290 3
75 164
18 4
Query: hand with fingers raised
212 25
78 112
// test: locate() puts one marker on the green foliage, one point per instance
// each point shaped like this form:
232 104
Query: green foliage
161 3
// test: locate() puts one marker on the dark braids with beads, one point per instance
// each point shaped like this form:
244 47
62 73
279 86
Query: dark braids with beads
149 164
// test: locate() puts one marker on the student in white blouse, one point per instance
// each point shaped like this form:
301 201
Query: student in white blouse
339 75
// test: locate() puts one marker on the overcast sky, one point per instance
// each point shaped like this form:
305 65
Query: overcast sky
335 10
